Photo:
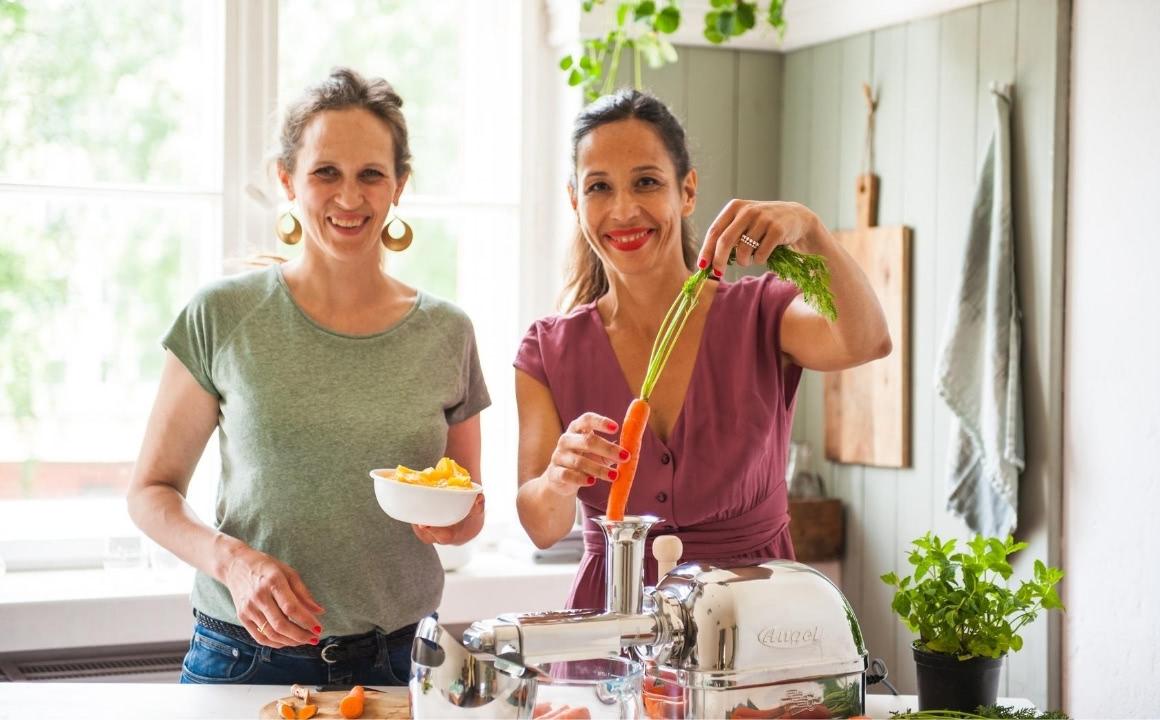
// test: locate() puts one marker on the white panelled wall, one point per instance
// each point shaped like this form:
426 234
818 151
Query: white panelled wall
1112 352
791 126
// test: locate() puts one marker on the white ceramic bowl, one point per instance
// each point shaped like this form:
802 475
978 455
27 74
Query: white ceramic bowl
422 504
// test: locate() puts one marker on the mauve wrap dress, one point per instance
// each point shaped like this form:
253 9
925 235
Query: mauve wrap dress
718 483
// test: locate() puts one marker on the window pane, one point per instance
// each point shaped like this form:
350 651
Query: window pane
124 91
455 63
87 288
466 256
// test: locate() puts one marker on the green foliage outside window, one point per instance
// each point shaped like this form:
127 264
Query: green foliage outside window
92 97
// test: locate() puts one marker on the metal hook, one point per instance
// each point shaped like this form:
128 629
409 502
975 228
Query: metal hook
877 673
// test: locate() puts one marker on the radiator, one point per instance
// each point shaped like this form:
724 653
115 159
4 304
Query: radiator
130 664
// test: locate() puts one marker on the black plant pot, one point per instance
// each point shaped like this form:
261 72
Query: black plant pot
947 683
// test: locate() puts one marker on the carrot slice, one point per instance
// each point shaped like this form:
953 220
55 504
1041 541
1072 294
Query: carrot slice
351 706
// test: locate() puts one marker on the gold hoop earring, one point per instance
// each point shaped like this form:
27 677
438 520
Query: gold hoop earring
288 229
401 243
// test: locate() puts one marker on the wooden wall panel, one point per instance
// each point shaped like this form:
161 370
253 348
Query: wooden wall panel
791 126
934 122
856 63
913 494
880 508
712 128
759 81
1039 146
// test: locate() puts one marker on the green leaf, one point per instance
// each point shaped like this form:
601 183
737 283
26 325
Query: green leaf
726 19
575 78
622 11
651 51
901 605
889 578
565 62
668 20
713 36
810 274
586 63
720 3
746 16
644 10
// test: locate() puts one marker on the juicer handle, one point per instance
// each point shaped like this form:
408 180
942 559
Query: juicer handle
667 551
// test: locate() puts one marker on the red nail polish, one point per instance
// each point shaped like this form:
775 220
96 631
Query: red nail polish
313 641
702 263
717 272
623 454
612 426
590 481
317 628
612 474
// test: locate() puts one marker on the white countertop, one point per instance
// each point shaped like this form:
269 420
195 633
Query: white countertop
98 701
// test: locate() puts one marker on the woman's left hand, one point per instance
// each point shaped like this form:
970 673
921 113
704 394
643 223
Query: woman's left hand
456 534
754 229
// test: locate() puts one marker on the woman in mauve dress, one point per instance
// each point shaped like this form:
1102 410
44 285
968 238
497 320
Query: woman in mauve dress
712 463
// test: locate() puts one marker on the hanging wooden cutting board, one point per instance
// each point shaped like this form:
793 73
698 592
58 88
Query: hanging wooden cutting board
867 408
391 704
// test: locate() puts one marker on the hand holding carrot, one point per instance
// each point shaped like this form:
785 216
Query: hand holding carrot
582 457
753 230
636 418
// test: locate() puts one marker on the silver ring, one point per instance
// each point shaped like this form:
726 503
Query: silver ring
753 244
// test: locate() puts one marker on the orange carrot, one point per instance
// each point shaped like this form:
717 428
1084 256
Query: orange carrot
636 419
631 438
351 706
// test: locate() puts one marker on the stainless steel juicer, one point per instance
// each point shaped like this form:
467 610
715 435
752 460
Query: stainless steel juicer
774 637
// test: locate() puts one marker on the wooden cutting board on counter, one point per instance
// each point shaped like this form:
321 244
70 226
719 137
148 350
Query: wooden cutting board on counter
867 408
380 705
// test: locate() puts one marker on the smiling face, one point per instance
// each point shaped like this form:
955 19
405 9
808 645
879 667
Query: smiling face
628 198
344 182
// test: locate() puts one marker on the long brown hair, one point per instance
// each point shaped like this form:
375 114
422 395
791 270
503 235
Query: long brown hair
585 278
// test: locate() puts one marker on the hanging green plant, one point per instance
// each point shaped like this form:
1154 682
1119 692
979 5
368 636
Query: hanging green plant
642 27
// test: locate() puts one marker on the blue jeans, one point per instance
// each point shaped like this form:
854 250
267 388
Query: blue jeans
218 658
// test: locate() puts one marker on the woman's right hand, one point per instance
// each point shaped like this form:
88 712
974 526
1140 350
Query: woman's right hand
581 457
272 602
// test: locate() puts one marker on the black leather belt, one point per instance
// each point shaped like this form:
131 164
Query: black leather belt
330 650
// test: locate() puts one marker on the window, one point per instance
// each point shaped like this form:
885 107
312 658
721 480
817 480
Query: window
456 64
110 197
132 137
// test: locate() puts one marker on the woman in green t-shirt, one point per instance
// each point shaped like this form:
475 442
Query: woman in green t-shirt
314 371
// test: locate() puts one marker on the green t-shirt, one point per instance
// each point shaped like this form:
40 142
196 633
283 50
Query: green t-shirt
306 413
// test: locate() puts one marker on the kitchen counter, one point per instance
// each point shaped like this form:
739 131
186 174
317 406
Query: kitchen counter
101 701
99 608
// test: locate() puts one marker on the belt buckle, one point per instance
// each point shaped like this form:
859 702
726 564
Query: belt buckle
325 655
